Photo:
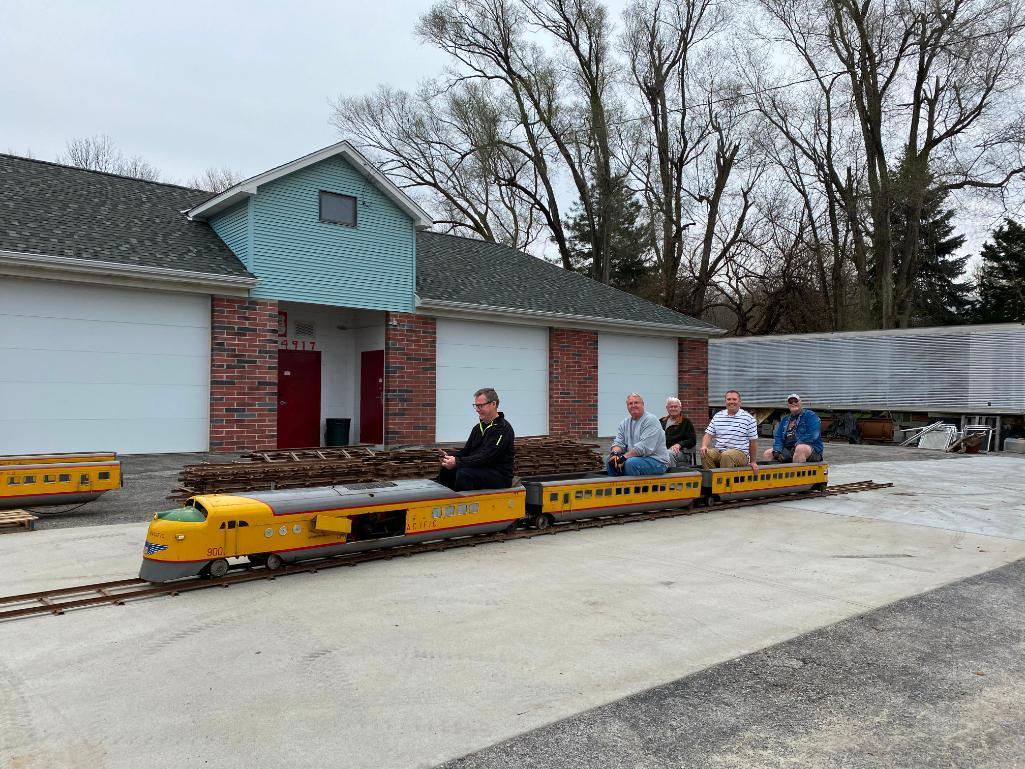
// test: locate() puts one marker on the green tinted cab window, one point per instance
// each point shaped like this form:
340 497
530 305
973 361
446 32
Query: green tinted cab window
188 514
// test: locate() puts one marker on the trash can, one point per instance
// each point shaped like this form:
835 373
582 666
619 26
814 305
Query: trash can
336 431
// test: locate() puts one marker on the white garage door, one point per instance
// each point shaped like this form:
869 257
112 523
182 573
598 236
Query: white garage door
90 368
512 359
634 364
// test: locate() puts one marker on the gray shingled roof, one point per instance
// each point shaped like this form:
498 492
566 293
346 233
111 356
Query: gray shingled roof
56 210
455 269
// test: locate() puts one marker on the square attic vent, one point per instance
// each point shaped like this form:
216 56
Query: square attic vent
305 328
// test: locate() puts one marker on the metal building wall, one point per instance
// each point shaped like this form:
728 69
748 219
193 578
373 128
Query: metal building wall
967 369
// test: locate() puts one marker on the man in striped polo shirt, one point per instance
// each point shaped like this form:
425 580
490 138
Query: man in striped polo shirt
736 437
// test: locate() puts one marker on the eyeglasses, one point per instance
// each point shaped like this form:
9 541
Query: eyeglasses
479 406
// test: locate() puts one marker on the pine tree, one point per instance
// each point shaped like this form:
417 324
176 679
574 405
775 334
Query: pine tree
936 297
1001 276
940 300
629 241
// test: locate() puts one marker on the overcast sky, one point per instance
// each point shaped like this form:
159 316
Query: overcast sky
187 85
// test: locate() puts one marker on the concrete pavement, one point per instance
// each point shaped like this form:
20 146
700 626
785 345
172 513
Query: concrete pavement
423 660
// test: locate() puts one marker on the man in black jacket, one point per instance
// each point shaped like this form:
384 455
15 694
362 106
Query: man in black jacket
486 461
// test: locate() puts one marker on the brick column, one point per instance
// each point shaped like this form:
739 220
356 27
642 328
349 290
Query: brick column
243 374
692 359
410 378
572 383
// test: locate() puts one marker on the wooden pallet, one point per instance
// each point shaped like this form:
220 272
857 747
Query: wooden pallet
17 520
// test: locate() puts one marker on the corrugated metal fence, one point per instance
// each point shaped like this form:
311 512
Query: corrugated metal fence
965 369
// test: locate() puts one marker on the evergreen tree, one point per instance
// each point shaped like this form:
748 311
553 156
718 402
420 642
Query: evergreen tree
940 299
936 297
1001 276
629 240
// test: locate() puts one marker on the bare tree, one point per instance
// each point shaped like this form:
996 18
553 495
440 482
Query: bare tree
215 180
930 83
452 146
100 153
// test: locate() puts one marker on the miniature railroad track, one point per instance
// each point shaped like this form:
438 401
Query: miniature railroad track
119 591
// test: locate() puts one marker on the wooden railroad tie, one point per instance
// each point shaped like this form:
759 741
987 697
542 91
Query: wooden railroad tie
17 520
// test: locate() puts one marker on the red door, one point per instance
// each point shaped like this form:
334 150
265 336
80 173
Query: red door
371 397
298 398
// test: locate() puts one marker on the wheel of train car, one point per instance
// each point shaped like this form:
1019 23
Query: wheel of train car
218 568
543 521
273 562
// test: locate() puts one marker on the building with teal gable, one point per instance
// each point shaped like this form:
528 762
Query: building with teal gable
282 226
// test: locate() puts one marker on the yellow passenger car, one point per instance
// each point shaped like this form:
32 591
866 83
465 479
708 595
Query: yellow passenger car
770 480
34 483
589 495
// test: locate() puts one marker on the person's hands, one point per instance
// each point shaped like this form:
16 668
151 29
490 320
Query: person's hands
704 450
754 467
675 448
448 462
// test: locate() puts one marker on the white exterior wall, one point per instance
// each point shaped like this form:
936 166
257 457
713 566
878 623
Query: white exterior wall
626 364
88 367
512 359
961 369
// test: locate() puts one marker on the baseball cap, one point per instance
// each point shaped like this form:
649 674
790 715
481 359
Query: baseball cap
793 397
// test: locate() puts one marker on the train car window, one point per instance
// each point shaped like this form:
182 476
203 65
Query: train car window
30 479
64 478
619 490
12 481
553 497
587 494
474 507
436 512
449 511
727 482
49 479
565 498
461 510
243 524
222 525
644 489
83 478
231 524
578 494
105 476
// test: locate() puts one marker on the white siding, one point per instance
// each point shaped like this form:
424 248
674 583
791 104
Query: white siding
512 359
91 367
626 364
978 369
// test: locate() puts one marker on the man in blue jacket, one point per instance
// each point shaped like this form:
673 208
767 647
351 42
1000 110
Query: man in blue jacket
799 435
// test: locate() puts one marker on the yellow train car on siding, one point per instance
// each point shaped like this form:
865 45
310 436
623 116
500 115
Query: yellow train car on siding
58 459
41 483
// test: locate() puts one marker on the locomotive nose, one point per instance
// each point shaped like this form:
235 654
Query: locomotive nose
165 554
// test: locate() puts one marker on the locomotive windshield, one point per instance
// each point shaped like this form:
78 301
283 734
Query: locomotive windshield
187 514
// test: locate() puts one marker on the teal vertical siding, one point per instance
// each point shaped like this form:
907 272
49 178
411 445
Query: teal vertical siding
232 226
301 259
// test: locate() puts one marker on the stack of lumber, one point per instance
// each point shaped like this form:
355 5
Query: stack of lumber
303 468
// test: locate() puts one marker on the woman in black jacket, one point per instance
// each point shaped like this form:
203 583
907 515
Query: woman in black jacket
679 430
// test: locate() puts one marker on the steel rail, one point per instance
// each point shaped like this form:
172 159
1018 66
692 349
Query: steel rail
119 591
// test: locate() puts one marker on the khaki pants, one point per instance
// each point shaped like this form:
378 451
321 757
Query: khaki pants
727 458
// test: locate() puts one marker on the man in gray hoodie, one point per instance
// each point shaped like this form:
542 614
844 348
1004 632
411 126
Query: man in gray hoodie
640 445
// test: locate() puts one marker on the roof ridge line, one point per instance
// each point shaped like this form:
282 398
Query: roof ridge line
55 164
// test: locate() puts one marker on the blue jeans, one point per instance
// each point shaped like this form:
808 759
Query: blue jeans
639 466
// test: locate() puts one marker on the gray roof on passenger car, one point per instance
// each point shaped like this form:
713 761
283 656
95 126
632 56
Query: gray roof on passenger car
450 268
57 210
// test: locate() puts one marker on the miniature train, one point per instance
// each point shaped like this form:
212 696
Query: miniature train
271 528
57 479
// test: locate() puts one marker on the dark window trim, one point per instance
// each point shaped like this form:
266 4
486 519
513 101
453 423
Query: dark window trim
320 208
